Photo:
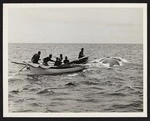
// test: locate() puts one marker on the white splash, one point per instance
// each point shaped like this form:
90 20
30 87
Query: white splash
99 62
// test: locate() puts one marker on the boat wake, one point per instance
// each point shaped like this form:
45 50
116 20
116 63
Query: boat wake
72 75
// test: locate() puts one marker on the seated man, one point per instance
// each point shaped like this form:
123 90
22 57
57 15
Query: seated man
66 60
61 57
45 60
57 62
36 57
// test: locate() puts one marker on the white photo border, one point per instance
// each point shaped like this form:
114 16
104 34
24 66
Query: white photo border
97 114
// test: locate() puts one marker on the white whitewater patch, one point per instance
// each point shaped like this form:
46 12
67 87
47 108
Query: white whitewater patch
12 76
74 74
99 62
123 60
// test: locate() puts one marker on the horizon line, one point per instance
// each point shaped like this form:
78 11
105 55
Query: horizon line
67 43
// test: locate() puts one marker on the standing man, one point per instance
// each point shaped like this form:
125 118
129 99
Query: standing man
36 57
81 53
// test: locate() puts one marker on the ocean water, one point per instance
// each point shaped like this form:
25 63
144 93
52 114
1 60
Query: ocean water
96 89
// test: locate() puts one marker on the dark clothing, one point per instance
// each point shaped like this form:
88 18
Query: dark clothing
57 63
81 54
45 60
66 61
45 64
60 58
35 58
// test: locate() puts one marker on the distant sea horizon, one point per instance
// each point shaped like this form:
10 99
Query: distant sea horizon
72 43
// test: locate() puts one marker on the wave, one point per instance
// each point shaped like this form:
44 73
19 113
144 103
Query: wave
131 105
46 91
116 94
71 84
87 100
19 100
30 99
15 91
25 88
34 89
35 104
90 83
97 88
126 89
118 79
10 96
12 79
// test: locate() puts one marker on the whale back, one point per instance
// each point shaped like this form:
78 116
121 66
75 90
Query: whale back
111 62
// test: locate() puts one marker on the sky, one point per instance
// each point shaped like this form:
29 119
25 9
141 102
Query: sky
75 25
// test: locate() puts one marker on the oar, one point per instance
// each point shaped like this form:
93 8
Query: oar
20 63
22 68
17 72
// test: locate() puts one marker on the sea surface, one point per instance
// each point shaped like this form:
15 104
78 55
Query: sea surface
96 89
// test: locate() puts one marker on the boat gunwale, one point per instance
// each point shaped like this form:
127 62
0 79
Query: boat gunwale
58 67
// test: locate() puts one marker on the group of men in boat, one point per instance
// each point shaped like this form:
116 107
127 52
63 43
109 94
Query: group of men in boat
59 60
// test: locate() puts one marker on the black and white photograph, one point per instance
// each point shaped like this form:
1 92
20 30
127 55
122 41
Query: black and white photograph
75 60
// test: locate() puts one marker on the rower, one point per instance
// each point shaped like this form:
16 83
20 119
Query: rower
61 57
66 60
36 57
45 60
81 53
57 62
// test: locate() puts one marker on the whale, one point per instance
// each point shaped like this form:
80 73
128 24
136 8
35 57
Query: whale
110 61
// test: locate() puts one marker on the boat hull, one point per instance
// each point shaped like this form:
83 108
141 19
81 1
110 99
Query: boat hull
83 60
39 69
55 70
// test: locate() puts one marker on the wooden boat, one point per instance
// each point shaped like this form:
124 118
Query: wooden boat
37 69
82 60
43 70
